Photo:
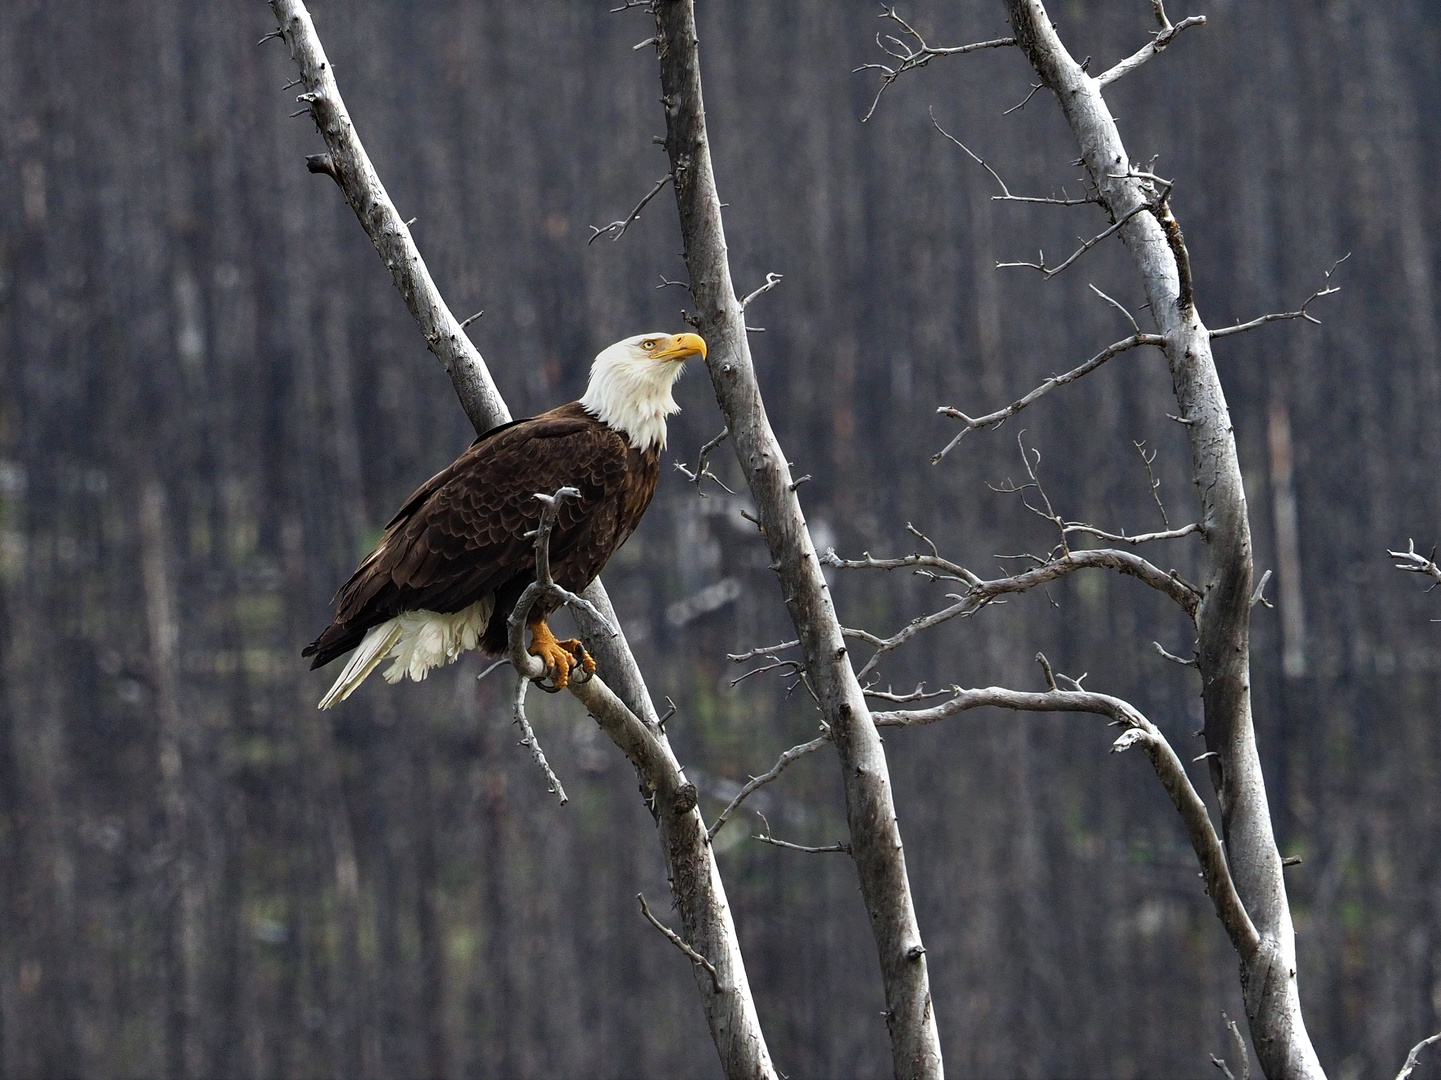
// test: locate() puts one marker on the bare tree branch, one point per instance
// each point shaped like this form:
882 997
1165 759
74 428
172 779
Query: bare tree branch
1001 415
913 54
772 280
794 753
627 713
1164 37
1414 1057
1048 272
702 469
1005 195
981 593
618 228
1302 312
674 938
1413 562
767 838
1139 732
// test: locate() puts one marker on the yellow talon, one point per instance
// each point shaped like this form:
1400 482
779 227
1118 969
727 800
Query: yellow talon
559 657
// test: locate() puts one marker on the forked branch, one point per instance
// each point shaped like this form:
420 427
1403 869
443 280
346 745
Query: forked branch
1138 732
1164 37
617 229
1302 312
910 51
1412 561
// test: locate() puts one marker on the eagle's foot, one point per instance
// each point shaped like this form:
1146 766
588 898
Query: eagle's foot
560 657
583 659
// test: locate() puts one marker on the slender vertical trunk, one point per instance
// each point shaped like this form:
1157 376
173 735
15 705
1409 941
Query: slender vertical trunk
180 925
870 808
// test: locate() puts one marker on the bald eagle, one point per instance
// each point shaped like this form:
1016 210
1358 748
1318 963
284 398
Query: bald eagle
456 557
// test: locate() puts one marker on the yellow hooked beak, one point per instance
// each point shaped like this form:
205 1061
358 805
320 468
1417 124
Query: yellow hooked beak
680 347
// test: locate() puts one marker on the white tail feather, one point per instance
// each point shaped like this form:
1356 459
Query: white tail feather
417 641
378 641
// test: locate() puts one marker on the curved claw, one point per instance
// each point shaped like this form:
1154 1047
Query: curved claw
561 658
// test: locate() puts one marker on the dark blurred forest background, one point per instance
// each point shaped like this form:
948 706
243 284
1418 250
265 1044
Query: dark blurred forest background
211 398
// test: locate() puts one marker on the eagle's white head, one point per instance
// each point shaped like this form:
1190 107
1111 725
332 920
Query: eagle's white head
630 384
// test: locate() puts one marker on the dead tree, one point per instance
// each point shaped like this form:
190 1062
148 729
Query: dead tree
623 708
1244 876
875 839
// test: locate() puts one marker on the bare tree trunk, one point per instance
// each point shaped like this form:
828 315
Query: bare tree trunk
182 892
870 808
1268 972
628 715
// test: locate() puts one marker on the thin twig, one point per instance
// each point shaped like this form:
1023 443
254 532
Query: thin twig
912 56
619 227
702 469
1005 195
772 280
763 650
767 838
1139 538
791 755
1155 206
528 739
1001 415
1414 1057
675 939
1326 289
1154 483
1172 657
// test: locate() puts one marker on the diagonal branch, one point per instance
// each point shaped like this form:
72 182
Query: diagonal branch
618 228
1414 1057
626 714
981 593
993 419
675 939
1156 206
1326 289
1005 195
913 54
1164 37
1138 732
782 763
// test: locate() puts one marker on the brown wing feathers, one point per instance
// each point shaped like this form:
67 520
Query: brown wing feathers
461 535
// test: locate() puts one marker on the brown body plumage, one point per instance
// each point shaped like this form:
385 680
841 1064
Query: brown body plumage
454 561
463 535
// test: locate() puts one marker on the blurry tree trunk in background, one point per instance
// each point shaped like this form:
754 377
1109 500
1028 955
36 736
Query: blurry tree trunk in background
181 899
875 837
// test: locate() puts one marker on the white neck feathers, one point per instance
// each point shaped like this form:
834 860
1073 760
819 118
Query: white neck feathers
631 392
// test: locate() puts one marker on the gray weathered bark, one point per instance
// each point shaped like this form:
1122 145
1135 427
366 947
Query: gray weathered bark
1268 971
870 809
627 714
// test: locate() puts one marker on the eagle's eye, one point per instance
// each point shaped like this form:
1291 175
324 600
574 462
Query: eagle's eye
647 344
